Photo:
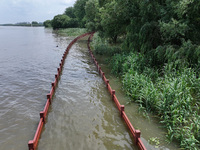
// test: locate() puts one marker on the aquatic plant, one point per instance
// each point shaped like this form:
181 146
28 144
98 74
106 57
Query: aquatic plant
72 31
170 90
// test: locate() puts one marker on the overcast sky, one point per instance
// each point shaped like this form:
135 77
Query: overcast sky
13 11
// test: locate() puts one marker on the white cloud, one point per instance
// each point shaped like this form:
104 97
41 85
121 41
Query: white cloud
68 2
12 11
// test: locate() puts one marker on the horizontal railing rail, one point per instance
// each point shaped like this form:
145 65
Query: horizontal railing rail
135 133
32 144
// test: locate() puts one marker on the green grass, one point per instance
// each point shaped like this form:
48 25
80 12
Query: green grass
174 97
171 91
72 31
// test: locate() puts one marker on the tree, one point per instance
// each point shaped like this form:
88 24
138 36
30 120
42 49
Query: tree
34 23
92 15
61 21
113 20
70 12
79 11
47 23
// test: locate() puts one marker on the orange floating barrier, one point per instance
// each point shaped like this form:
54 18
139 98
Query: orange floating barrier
32 144
135 133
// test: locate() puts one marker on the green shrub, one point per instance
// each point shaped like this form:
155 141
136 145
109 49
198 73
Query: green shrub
102 47
173 96
116 63
164 81
72 31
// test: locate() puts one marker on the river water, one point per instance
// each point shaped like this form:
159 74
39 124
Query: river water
82 115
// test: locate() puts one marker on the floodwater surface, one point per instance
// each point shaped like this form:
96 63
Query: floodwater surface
82 115
28 61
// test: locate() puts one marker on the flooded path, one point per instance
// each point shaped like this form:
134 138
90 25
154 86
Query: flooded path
82 114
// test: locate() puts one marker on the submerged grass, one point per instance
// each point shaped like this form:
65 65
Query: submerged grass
72 31
173 96
172 92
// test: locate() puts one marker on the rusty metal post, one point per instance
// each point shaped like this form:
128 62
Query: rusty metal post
42 116
49 98
107 82
137 135
103 74
121 110
56 79
31 145
53 85
113 93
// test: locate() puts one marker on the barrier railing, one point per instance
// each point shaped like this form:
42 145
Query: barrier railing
135 133
32 144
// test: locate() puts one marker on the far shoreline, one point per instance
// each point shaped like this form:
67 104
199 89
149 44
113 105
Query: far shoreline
13 25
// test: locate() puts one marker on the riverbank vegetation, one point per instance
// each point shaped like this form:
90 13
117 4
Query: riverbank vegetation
154 46
72 31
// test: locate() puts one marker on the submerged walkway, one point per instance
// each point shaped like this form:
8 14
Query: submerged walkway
83 116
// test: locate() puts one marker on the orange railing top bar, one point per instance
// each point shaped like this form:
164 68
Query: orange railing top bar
32 144
135 133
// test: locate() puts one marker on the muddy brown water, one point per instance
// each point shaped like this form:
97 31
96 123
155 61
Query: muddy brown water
82 115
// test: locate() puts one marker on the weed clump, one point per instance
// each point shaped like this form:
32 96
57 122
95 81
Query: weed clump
165 83
72 31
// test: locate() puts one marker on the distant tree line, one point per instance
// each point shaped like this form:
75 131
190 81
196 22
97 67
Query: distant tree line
28 24
151 22
149 26
72 17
